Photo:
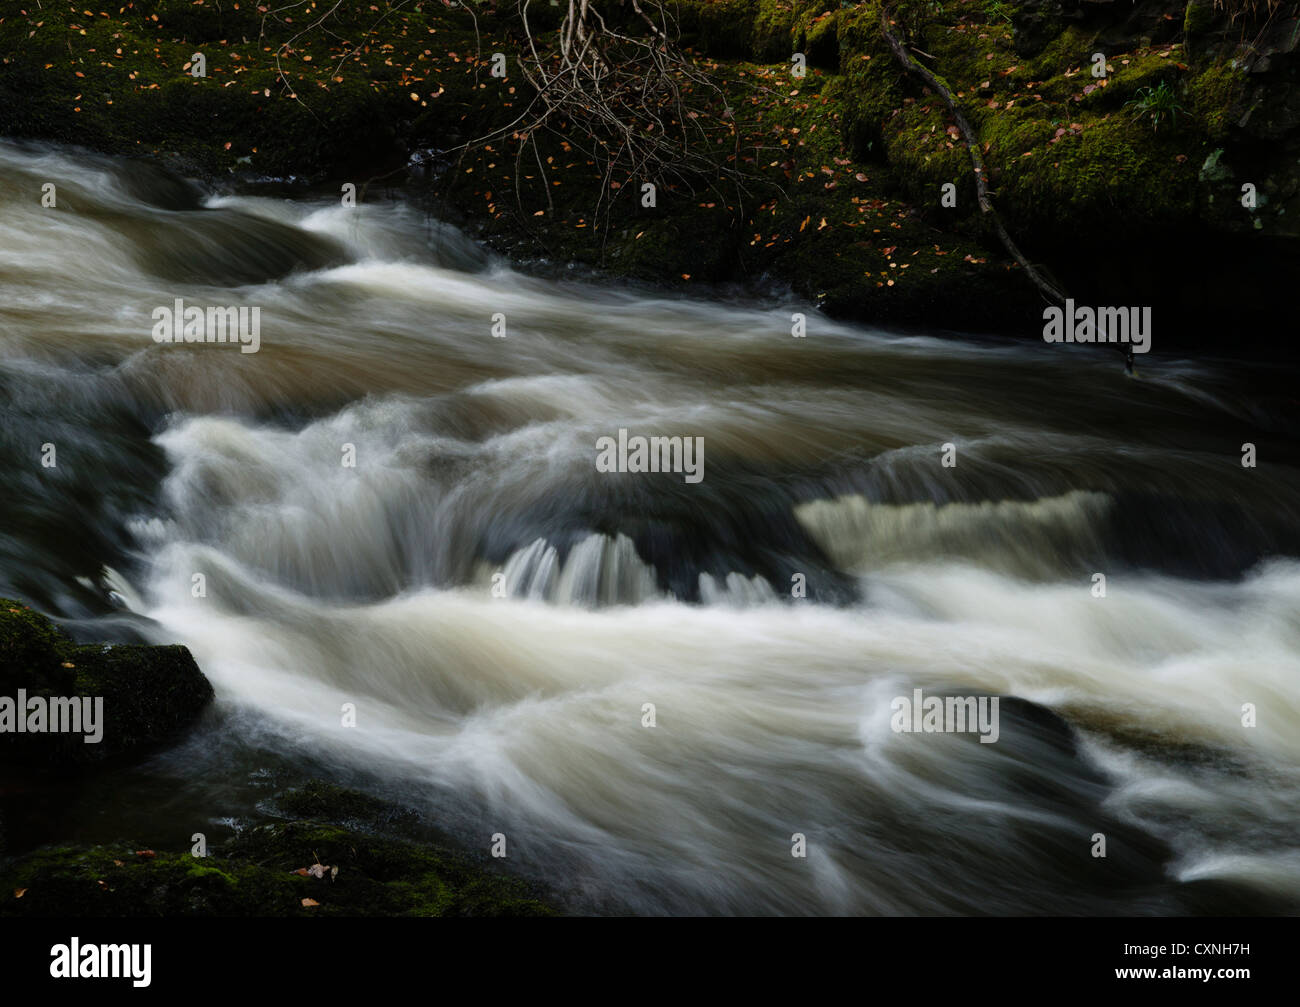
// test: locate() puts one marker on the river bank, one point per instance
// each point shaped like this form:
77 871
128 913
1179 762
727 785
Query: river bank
844 169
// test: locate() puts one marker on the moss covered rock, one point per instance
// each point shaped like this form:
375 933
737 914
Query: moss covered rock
131 697
311 867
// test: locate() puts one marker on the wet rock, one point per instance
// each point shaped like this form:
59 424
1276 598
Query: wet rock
282 868
64 706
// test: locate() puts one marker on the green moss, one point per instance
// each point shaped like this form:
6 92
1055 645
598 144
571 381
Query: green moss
865 119
816 34
32 651
1110 169
1214 96
120 83
148 693
329 802
256 874
773 21
872 88
103 881
1070 51
200 873
1198 17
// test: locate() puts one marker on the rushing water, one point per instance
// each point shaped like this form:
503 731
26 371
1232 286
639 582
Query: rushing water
372 585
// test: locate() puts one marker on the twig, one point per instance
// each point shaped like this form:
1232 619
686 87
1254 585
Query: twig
1049 289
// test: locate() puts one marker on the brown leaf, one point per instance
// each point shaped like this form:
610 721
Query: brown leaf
19 892
308 903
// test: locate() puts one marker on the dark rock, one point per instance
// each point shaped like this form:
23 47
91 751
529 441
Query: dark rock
282 868
132 697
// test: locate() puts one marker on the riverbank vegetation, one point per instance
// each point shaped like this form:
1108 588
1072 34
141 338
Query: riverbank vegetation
850 184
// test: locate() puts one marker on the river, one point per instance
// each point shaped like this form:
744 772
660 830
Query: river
348 492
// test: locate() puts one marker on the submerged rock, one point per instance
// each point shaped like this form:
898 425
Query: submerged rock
63 705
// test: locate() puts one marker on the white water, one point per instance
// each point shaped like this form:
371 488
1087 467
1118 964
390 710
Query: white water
372 585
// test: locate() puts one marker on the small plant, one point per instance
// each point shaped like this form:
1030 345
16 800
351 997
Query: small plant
1158 103
997 9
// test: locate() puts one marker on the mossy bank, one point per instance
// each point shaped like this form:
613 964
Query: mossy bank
1127 179
326 852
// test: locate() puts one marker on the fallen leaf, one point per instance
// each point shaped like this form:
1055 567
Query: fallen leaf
19 892
308 903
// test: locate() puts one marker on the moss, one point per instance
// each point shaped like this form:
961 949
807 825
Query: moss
1109 169
329 802
148 693
1198 17
32 651
257 874
871 120
773 21
124 880
872 87
816 34
1070 51
120 83
1214 96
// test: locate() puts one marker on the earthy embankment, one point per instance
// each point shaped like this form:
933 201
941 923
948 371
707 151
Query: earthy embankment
1127 187
318 850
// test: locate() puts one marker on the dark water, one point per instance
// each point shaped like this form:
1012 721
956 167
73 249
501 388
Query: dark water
372 585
